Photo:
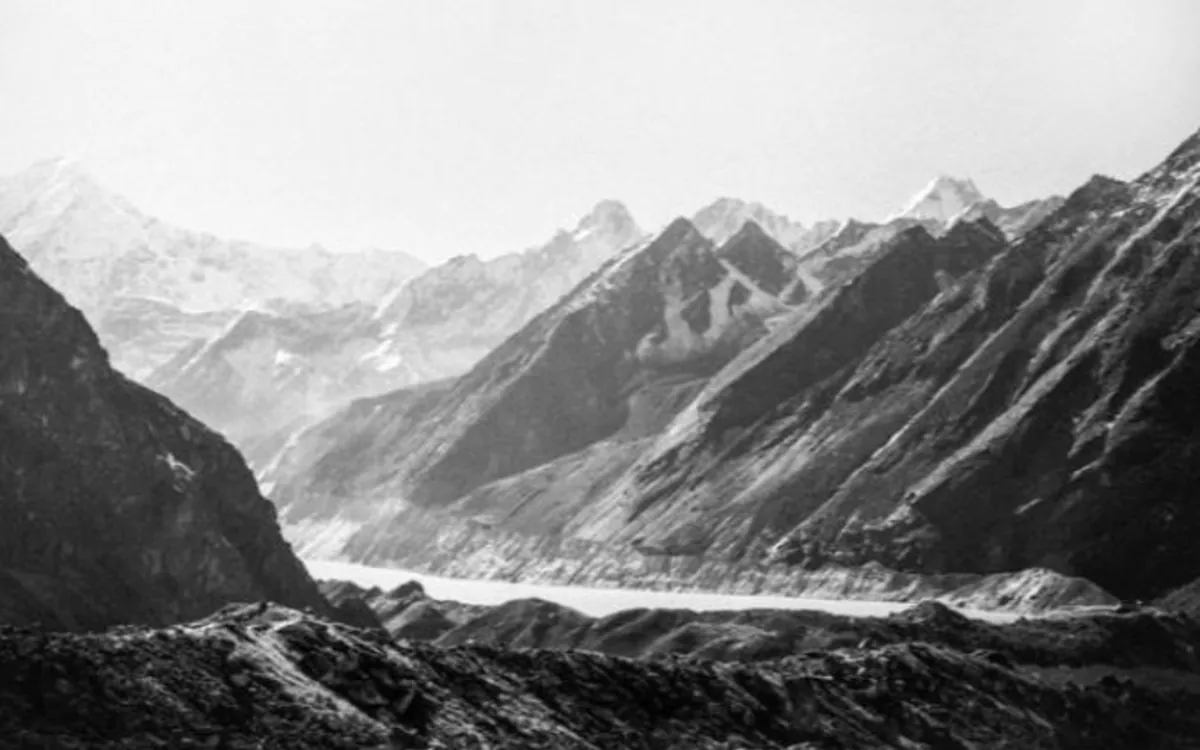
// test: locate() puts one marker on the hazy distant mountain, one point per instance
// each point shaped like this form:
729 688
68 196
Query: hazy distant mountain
106 256
267 373
946 199
722 218
942 199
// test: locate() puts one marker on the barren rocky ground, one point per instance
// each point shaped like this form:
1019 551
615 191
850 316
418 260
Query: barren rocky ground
262 676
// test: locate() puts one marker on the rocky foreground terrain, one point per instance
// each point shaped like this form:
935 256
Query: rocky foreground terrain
262 676
1117 636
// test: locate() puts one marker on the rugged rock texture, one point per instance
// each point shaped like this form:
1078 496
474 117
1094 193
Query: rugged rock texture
1184 599
117 506
608 364
1092 636
266 677
106 256
581 496
272 373
1053 425
1031 415
961 403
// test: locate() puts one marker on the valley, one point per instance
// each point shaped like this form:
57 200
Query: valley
599 602
810 483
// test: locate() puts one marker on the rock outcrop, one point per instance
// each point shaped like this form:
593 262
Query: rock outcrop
118 507
268 677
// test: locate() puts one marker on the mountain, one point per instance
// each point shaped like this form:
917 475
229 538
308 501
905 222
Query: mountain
722 218
1033 414
117 506
948 199
943 199
106 256
562 407
269 373
142 333
962 404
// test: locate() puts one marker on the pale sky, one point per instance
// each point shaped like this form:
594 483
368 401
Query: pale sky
447 127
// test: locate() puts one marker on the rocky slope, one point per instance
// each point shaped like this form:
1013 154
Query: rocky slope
607 365
1186 599
1034 415
117 506
566 497
268 677
962 403
852 245
110 260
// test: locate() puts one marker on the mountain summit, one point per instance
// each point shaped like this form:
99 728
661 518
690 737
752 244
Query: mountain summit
943 199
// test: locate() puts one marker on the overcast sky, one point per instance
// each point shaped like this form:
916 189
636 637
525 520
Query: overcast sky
447 127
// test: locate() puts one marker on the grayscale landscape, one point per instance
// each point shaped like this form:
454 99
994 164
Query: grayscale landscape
600 375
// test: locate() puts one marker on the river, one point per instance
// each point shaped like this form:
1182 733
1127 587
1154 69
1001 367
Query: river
598 602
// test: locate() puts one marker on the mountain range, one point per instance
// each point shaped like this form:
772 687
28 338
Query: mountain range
990 406
950 400
151 287
261 342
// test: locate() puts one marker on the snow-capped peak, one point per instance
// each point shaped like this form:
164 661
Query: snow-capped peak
722 218
609 216
944 198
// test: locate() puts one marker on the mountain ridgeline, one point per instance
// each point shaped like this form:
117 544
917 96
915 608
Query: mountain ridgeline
936 397
604 358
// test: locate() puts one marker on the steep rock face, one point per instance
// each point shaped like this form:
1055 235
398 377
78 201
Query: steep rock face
852 248
961 405
1033 415
117 506
614 358
711 483
272 373
591 492
104 254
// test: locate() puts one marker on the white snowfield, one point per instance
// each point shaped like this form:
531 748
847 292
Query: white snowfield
599 602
